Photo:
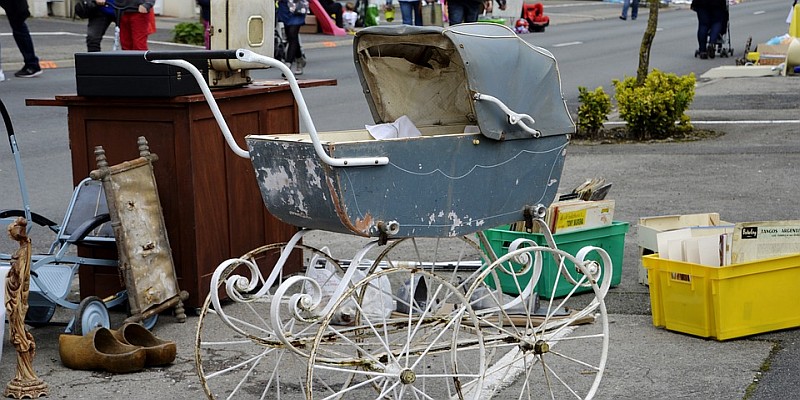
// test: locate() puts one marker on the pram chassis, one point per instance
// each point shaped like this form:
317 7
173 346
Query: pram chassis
454 336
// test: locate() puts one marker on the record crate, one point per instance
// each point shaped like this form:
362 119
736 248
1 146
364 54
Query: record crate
610 238
724 302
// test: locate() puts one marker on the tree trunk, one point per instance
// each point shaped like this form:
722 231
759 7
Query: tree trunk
647 42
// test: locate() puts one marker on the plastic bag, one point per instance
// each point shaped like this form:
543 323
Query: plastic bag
376 304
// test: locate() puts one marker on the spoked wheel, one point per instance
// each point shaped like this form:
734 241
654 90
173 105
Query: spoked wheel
92 313
247 359
423 350
542 349
456 260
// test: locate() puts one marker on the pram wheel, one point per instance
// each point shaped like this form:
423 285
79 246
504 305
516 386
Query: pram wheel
246 356
150 322
429 348
92 313
38 316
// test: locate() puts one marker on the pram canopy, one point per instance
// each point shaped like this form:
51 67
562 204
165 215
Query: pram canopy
430 75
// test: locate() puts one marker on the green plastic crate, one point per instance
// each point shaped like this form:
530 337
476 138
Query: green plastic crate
610 238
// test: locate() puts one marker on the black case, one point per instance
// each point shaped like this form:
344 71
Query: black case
128 74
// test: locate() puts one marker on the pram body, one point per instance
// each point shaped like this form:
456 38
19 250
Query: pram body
446 182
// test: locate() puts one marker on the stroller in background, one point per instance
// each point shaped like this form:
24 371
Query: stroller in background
282 45
722 44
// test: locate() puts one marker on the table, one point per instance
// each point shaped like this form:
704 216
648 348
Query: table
211 202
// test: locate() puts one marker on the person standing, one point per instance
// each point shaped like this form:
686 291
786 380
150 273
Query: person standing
138 21
17 12
459 11
711 15
205 15
334 9
633 5
293 17
100 19
411 11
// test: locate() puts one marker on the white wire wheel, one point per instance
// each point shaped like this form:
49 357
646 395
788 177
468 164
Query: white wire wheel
458 260
422 350
247 359
541 349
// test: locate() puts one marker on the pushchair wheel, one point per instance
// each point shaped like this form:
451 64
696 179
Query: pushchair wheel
92 313
38 316
150 322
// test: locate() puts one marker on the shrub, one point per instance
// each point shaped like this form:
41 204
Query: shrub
651 110
593 111
188 32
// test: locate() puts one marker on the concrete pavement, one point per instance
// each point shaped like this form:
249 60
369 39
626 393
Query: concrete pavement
748 174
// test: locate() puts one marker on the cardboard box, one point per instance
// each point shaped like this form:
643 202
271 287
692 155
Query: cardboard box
772 54
649 228
569 216
311 24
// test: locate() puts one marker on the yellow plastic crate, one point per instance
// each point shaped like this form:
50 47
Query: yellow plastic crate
724 302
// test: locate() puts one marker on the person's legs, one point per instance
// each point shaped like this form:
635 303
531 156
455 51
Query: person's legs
334 9
455 12
293 42
703 24
625 5
471 11
24 42
635 9
95 29
417 13
406 10
134 30
716 26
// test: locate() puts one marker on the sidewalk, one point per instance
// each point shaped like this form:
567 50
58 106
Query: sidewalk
747 174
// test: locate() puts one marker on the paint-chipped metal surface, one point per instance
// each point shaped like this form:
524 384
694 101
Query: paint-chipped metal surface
141 236
434 186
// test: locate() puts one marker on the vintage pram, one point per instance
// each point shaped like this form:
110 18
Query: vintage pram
413 313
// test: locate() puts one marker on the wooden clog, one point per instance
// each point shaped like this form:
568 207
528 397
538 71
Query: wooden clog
159 351
100 350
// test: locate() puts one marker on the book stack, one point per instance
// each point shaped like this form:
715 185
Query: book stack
719 246
585 207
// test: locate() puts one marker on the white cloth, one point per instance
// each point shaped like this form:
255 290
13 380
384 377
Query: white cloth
402 128
3 273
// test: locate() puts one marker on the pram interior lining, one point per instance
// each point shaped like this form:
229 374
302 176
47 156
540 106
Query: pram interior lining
420 76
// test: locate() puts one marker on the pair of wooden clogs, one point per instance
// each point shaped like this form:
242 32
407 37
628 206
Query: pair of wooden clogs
130 348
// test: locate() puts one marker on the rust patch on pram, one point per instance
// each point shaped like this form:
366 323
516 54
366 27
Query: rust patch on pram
361 226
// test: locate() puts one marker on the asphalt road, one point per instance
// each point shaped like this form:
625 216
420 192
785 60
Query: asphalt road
748 174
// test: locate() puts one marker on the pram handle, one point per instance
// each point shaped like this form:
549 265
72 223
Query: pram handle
249 56
514 118
190 55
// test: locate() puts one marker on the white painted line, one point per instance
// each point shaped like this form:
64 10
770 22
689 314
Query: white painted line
742 122
759 12
567 44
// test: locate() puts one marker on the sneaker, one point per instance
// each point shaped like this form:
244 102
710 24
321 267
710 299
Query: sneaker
711 50
622 17
28 72
703 55
298 70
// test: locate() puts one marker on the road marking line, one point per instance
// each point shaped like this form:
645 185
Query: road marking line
567 44
759 12
740 122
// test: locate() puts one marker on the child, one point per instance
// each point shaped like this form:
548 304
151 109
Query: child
350 17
